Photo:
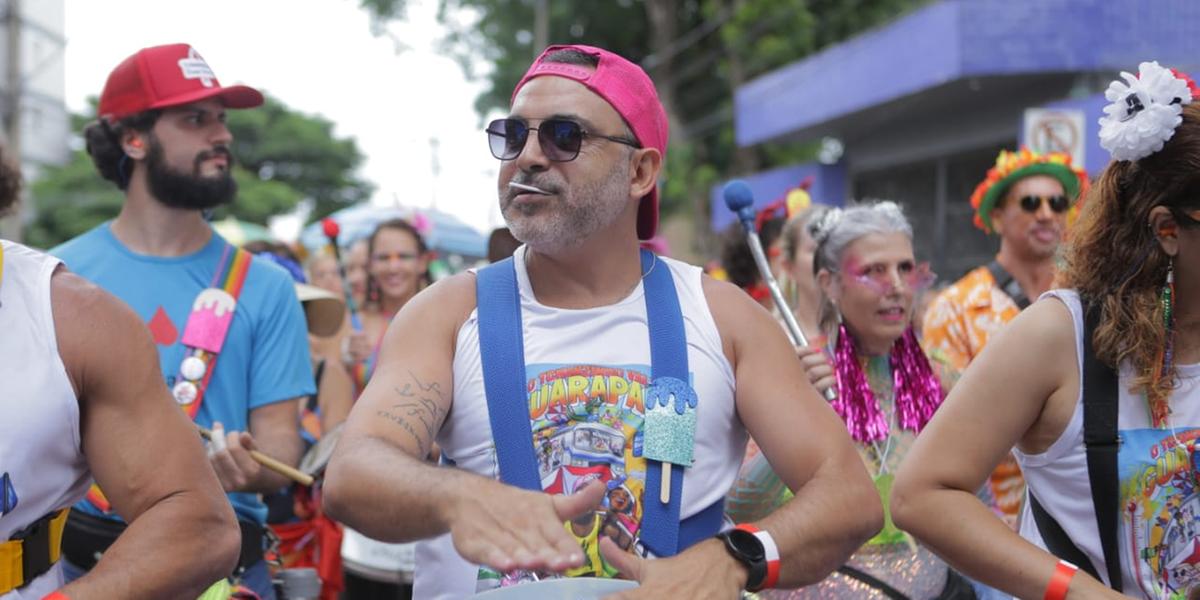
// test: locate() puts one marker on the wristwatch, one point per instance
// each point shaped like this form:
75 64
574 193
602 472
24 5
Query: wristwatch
756 549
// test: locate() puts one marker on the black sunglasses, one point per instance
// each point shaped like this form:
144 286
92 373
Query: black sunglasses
1187 218
1058 204
560 139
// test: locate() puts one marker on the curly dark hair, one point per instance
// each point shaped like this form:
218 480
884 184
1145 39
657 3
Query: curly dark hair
1114 229
104 144
10 183
735 253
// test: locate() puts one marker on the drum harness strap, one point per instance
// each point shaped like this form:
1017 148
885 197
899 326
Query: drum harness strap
31 552
1008 284
1102 444
502 354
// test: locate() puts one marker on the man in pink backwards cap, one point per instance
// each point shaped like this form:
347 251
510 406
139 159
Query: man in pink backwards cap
581 152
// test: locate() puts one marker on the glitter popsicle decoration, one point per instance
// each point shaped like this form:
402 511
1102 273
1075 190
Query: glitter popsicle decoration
670 428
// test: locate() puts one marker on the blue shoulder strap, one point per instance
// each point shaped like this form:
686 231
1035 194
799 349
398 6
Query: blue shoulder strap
502 354
668 358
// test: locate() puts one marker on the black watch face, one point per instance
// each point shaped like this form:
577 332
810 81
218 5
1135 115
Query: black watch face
747 545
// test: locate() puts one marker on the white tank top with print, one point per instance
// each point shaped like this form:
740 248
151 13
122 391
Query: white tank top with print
1159 472
42 468
585 371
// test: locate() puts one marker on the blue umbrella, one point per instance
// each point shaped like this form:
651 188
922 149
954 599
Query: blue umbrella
447 234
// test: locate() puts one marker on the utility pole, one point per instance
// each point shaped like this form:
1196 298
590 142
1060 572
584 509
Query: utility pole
541 27
10 227
435 168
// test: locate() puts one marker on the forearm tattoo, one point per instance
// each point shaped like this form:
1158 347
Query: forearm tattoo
418 411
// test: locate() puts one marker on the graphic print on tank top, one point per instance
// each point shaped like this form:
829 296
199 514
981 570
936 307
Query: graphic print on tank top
1160 501
587 425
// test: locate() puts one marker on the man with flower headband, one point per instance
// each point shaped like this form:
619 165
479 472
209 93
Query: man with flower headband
1095 388
1025 199
541 372
229 329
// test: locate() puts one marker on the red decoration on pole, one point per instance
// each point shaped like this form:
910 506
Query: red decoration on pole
331 228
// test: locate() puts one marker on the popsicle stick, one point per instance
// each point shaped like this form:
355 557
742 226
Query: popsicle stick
283 469
664 493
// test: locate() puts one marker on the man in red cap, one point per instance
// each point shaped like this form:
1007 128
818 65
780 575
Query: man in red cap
229 329
542 371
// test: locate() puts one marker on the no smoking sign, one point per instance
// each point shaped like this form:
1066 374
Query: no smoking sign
1048 130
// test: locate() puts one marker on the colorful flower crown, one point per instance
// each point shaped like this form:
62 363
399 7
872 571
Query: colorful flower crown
1013 166
793 202
1144 110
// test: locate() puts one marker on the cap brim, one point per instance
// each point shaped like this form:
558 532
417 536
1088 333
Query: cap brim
323 310
234 96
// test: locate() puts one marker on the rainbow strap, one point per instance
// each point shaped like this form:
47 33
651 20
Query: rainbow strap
230 276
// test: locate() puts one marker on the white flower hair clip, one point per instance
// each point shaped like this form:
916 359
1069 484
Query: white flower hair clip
1144 110
821 229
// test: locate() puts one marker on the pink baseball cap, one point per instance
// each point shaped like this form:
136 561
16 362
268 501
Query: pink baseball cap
629 90
165 76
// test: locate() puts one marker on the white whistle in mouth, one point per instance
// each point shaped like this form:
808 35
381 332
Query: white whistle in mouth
527 188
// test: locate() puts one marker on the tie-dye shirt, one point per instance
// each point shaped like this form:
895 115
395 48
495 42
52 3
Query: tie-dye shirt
958 324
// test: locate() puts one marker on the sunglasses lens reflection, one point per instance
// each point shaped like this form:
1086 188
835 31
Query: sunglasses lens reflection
1058 204
560 139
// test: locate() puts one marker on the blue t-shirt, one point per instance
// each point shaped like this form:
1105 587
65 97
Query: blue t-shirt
265 357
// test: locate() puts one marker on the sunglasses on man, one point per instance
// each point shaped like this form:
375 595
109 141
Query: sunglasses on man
560 139
1192 215
1058 203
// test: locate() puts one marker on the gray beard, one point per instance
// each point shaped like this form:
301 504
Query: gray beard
573 222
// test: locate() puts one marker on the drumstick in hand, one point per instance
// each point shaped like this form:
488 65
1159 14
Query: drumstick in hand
270 463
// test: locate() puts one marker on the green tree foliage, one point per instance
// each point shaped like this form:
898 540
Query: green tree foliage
283 157
282 152
697 51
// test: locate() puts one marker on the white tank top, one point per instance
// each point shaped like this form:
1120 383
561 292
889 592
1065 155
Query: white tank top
42 468
585 370
1159 472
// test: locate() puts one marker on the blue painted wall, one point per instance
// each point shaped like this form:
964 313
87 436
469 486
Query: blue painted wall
955 39
829 187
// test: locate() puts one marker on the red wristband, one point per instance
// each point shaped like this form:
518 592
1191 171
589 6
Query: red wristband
770 552
56 596
1061 581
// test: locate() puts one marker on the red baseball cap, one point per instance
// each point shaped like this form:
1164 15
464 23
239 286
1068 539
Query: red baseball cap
629 90
164 76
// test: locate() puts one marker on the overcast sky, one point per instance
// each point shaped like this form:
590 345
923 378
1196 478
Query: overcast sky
318 56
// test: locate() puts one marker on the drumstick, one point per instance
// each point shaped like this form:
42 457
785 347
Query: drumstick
740 200
270 463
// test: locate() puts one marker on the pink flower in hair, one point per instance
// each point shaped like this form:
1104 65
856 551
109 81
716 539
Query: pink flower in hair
421 223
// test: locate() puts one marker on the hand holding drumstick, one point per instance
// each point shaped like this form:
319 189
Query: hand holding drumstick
218 444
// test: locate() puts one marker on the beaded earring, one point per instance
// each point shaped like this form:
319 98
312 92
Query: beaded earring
1159 407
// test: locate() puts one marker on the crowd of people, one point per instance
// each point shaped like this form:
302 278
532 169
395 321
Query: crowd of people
586 406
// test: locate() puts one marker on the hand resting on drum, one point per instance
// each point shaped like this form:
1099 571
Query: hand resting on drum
507 528
703 571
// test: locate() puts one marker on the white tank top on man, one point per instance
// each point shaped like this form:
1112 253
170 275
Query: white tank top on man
42 467
576 354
